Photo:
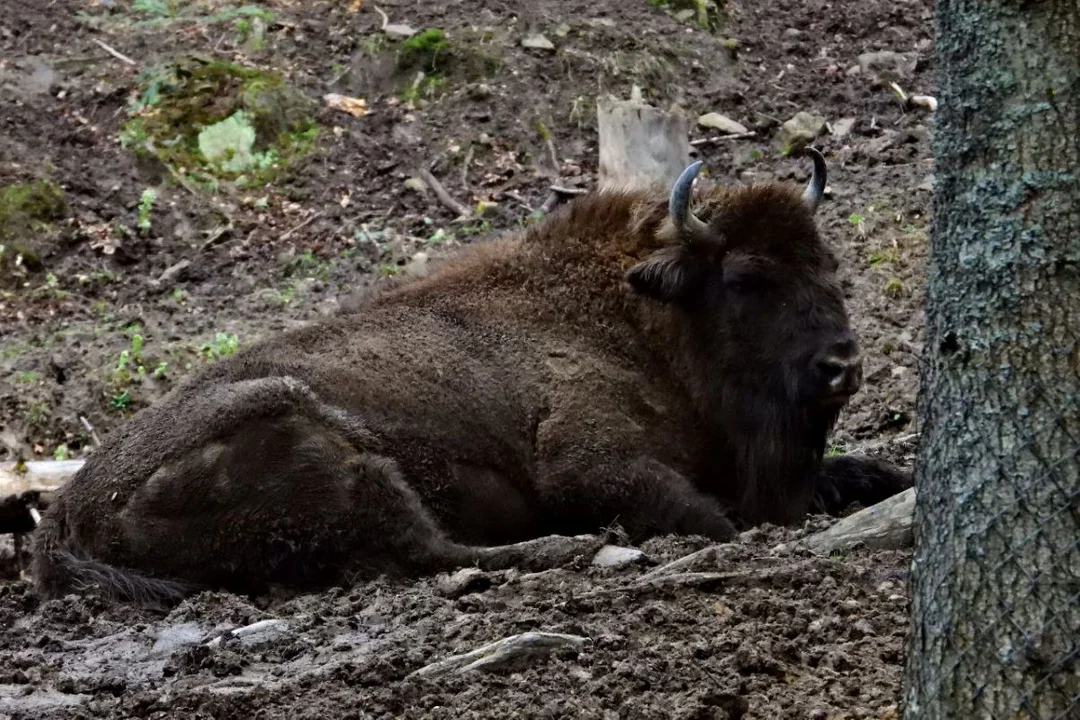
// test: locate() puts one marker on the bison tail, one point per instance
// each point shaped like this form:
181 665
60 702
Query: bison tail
57 571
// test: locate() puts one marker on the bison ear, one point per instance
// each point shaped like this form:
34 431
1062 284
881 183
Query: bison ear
667 275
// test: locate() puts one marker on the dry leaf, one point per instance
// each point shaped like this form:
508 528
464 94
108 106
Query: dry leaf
357 107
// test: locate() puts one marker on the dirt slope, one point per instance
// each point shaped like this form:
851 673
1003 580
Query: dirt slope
108 285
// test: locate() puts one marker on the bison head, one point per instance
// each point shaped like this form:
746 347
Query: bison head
763 337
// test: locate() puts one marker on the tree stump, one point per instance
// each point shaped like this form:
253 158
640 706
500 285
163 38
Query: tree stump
640 145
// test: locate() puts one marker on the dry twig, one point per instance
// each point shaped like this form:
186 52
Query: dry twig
115 53
444 197
90 429
288 233
720 138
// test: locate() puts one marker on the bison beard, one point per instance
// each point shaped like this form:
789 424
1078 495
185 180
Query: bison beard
625 362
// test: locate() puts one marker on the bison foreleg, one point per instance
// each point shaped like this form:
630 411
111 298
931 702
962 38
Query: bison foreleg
848 479
642 496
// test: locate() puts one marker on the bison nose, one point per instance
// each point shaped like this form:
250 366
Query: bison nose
839 369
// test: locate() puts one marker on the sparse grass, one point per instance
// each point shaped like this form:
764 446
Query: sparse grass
706 14
894 287
166 13
27 377
835 450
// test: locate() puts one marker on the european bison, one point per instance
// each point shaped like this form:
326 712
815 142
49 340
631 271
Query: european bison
625 362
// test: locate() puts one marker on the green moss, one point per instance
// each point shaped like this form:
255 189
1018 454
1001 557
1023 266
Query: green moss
193 99
432 53
423 50
26 213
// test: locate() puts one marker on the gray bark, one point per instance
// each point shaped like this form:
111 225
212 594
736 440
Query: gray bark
996 577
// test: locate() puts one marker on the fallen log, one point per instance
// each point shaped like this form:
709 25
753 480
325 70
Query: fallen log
27 486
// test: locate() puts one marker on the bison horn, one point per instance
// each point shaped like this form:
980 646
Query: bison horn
815 189
685 221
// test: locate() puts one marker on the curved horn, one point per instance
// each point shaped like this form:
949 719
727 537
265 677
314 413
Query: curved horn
815 189
686 222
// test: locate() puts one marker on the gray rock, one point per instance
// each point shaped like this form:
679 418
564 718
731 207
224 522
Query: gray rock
510 653
613 556
537 42
466 580
842 127
406 134
722 123
887 65
399 31
416 185
799 131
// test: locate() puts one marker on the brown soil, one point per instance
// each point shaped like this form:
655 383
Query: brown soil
788 636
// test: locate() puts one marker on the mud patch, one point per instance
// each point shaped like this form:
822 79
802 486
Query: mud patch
769 636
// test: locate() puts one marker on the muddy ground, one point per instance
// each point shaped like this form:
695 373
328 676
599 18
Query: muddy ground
105 285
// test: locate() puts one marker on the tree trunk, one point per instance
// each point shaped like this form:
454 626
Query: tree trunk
996 577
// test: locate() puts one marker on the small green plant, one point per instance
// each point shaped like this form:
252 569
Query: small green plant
37 413
223 345
835 450
756 154
27 377
120 400
51 289
307 264
61 452
894 287
146 206
885 255
479 228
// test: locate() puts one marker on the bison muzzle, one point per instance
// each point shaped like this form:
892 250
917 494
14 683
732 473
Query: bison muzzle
630 361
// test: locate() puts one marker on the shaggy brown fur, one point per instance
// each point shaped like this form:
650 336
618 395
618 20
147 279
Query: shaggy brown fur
526 388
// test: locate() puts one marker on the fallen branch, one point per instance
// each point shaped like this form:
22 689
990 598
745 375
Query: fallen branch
555 164
885 526
505 654
708 582
288 233
115 53
701 557
90 429
444 197
720 138
561 190
385 19
550 202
